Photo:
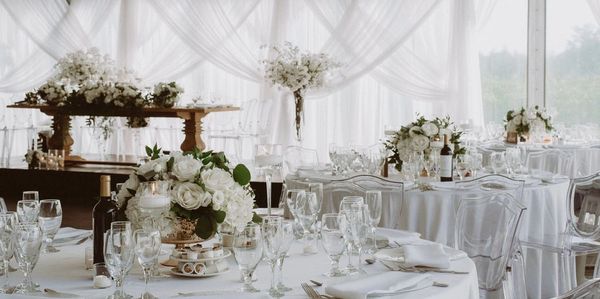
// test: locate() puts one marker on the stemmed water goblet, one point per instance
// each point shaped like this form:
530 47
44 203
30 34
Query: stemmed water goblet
248 251
119 252
28 210
498 162
333 226
345 207
8 222
287 227
27 240
269 159
154 202
147 249
49 218
272 240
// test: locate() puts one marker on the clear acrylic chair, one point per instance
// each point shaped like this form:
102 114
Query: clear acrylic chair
551 161
392 195
297 157
589 289
487 224
580 232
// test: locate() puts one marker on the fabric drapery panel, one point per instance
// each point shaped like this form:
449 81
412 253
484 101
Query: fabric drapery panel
595 8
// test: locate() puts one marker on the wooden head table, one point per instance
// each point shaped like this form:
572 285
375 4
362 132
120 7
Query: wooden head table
61 121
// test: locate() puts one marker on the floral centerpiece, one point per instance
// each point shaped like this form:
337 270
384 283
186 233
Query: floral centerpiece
422 136
525 120
89 79
205 192
297 71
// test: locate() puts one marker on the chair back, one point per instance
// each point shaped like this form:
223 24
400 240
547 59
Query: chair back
583 200
297 157
494 183
589 289
392 195
551 161
487 224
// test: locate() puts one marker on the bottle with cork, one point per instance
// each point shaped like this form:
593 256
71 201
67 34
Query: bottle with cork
104 213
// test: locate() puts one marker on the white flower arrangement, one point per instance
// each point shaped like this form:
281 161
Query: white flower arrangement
421 136
525 120
166 94
297 71
203 189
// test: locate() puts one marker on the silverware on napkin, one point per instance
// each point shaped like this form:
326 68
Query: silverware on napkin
403 268
56 294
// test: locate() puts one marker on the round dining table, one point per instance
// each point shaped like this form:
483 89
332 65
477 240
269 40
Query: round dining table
65 274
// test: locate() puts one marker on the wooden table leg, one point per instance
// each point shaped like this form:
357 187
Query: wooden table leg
61 138
193 130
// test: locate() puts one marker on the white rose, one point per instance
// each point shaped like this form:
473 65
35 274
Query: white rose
545 115
218 199
147 167
190 196
217 179
430 129
186 168
517 120
415 131
419 143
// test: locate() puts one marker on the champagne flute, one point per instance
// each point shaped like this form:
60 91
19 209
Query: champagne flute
287 227
8 222
49 218
333 226
28 210
147 249
345 206
119 251
307 209
269 159
291 199
27 244
374 201
248 251
31 195
272 239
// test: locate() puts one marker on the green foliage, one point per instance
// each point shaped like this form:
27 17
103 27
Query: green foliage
153 152
241 174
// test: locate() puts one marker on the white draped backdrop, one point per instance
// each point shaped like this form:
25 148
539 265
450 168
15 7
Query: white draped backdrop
399 57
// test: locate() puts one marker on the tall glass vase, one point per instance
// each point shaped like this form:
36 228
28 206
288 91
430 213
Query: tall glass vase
299 113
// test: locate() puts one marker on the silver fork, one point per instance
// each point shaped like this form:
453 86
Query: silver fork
312 293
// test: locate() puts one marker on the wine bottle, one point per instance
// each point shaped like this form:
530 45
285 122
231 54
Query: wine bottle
105 212
446 166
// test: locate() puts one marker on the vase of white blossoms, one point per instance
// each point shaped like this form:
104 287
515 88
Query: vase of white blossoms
298 71
523 122
422 136
205 192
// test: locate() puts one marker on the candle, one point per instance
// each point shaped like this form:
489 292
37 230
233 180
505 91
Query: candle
154 201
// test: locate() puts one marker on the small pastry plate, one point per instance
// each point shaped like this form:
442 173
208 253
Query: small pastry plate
176 272
226 254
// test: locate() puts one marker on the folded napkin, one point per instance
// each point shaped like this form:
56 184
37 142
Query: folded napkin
403 237
387 283
69 234
427 255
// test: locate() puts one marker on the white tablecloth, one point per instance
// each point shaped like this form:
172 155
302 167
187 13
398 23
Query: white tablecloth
432 213
65 272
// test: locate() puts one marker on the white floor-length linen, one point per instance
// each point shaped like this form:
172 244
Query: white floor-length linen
65 272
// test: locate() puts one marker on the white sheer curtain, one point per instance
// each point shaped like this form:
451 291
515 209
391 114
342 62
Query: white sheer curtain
400 56
595 7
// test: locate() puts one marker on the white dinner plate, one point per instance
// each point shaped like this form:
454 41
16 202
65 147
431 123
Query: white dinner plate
176 272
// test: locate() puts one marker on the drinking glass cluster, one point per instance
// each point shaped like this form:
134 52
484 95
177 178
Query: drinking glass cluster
356 159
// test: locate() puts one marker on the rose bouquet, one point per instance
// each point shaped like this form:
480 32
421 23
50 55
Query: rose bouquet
297 71
421 136
525 120
166 94
205 192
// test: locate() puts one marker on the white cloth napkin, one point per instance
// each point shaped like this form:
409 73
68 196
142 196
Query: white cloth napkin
387 283
404 237
428 255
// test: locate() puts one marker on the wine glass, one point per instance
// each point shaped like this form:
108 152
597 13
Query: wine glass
498 162
31 195
291 196
307 209
513 160
119 251
333 226
345 206
49 218
269 159
27 240
8 222
476 163
287 227
147 249
374 201
272 239
28 210
154 202
317 188
2 205
357 216
248 251
462 166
